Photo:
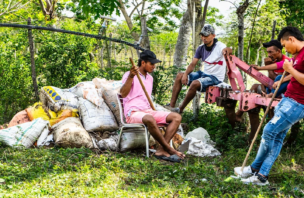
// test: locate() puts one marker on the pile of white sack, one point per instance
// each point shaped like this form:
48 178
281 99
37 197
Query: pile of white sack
71 117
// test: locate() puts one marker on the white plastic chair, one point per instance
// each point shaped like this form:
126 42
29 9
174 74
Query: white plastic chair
126 125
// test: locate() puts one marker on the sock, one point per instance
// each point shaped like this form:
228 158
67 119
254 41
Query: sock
262 178
252 170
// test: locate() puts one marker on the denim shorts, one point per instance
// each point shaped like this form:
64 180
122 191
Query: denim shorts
206 80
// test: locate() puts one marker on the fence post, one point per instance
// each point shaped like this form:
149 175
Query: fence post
31 42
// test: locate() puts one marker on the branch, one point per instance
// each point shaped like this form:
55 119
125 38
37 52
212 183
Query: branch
8 6
42 7
48 4
231 3
10 10
135 9
143 8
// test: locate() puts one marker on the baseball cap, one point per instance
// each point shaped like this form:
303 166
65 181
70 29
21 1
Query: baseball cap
149 56
207 30
273 43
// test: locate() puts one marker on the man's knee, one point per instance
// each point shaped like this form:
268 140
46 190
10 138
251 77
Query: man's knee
179 76
177 118
195 85
174 117
149 120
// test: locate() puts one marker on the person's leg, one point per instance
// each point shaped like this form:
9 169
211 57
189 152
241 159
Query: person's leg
287 113
148 118
201 84
195 86
176 89
174 120
165 148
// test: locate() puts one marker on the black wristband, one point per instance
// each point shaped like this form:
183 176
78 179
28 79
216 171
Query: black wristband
131 77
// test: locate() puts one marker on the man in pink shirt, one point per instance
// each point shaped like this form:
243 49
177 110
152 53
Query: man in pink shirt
137 108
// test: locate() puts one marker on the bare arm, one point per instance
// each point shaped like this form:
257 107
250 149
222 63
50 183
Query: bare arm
288 67
272 66
125 89
191 66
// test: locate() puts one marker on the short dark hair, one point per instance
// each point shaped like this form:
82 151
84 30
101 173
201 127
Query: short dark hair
139 62
286 32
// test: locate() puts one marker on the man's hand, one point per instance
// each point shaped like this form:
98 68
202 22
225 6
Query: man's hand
256 67
133 71
288 65
275 84
268 61
227 51
185 79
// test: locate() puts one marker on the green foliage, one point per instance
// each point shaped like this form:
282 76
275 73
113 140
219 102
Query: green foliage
293 12
95 8
66 64
262 32
15 74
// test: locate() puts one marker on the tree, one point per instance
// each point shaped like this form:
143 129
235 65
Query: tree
11 6
293 12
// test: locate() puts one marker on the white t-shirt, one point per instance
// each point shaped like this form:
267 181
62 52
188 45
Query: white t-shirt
214 61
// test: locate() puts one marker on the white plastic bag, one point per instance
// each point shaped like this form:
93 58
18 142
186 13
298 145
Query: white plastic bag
70 133
198 148
56 99
87 91
200 134
24 134
95 118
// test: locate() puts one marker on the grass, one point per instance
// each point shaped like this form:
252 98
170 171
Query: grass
58 172
82 173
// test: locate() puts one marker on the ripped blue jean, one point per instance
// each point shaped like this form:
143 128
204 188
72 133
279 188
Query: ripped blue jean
287 113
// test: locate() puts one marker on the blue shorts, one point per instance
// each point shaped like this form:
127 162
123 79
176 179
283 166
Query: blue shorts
206 80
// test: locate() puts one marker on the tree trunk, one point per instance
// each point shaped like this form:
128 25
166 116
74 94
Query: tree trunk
182 44
145 43
164 54
128 20
109 51
199 19
170 55
263 57
240 14
248 48
101 54
31 42
273 29
258 55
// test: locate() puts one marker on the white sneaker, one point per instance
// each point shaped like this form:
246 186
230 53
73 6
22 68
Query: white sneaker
255 180
247 172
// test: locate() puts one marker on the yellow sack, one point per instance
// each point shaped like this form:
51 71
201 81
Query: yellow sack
37 111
